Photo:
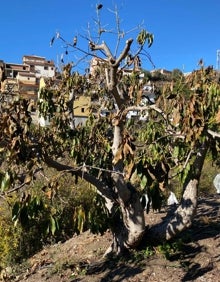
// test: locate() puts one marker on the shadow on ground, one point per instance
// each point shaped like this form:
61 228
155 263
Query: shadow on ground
115 271
195 258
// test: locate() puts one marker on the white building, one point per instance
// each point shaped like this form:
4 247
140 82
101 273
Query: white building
40 66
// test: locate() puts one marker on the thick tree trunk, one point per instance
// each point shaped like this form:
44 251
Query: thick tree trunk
128 226
183 216
129 223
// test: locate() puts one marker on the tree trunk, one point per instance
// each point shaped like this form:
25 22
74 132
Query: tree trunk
128 225
70 106
128 222
184 214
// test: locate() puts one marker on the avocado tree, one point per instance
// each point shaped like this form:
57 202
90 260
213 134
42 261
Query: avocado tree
121 157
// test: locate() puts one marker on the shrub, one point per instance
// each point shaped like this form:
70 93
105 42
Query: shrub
40 216
10 237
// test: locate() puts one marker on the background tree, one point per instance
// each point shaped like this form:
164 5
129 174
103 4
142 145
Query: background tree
177 74
120 158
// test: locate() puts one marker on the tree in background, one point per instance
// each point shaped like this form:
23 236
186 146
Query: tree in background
120 157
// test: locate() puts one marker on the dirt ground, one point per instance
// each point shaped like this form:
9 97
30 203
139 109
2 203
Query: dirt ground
80 259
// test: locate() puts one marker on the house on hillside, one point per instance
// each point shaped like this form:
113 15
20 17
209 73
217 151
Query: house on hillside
27 85
9 87
161 71
39 66
23 79
81 105
81 109
11 70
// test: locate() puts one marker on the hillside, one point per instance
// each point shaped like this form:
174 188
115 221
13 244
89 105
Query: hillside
195 257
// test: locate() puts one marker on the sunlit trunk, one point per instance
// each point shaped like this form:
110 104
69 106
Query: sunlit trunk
184 215
129 223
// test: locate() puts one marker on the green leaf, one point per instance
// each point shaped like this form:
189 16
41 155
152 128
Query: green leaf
176 152
108 147
185 172
143 36
6 182
150 38
53 225
81 219
15 211
143 181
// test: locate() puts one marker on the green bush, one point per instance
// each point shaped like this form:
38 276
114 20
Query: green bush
206 186
47 214
10 237
209 172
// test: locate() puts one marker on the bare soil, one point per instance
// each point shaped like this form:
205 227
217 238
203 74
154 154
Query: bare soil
80 259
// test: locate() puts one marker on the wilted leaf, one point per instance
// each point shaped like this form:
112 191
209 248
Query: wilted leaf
127 150
52 40
217 117
176 117
49 193
117 157
28 179
130 91
129 169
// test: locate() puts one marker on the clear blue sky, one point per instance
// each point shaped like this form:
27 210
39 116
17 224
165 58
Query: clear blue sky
184 30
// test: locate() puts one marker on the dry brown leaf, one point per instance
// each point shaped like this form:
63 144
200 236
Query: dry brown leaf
129 169
217 117
127 150
117 157
176 117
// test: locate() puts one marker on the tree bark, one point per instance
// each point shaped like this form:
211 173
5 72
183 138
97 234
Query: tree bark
129 223
184 214
70 105
128 226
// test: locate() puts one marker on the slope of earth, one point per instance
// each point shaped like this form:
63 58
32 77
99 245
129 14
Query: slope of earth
195 256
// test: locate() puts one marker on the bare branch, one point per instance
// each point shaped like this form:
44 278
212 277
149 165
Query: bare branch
102 47
105 51
124 53
82 173
148 57
118 30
